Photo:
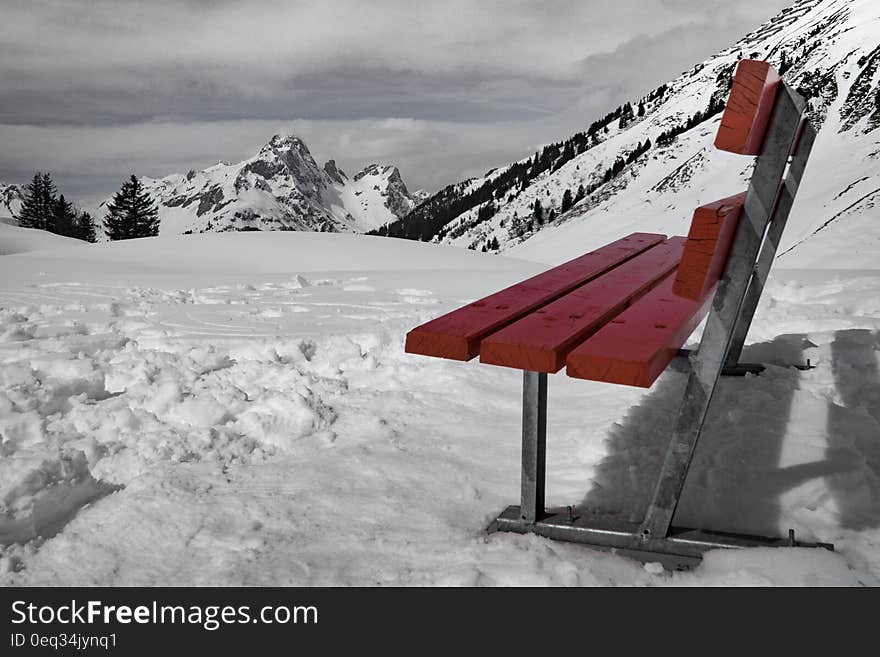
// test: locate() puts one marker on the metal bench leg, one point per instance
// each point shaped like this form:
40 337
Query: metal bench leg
534 445
688 426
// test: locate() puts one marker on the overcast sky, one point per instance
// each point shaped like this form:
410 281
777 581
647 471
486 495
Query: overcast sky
93 90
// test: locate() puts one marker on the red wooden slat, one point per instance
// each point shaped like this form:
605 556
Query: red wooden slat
637 345
457 334
540 341
708 244
747 113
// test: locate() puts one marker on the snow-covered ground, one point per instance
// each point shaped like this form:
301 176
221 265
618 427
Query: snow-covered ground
237 409
14 239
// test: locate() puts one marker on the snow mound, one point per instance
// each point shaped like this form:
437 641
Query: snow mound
14 239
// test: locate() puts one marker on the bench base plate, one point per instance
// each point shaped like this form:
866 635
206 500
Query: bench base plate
680 550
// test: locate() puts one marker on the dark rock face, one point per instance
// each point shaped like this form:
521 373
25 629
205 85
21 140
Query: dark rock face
862 98
177 201
210 201
369 170
399 200
263 168
336 174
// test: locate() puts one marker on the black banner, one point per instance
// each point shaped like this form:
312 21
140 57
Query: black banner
133 621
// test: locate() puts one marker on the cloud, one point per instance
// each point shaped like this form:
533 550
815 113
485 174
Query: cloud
91 88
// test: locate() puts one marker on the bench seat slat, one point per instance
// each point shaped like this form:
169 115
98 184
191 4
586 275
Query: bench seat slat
457 334
539 342
708 245
635 347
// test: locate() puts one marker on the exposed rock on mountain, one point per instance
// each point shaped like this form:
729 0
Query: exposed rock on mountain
10 200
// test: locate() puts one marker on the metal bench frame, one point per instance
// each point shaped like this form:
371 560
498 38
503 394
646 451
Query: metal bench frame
772 189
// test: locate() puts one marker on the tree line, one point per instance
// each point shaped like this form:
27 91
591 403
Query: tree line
131 213
434 217
42 208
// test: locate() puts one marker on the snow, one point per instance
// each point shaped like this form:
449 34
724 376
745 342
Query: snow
238 409
14 239
365 197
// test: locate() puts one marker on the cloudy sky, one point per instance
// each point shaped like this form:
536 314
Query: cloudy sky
93 90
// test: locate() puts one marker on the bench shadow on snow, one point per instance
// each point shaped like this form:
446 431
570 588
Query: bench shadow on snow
854 426
744 465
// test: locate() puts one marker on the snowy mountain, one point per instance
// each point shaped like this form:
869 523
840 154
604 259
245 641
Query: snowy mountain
647 164
10 200
280 188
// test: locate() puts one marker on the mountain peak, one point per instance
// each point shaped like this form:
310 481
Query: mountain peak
336 174
281 143
390 171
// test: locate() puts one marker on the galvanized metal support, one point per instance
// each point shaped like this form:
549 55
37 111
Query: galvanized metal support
784 201
534 445
710 358
682 548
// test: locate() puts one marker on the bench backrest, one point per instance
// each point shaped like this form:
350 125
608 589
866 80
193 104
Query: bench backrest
742 130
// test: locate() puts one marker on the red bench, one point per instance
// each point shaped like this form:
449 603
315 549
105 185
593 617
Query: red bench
620 314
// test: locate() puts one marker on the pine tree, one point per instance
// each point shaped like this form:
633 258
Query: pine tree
48 203
567 201
538 211
85 228
784 64
641 111
132 213
581 192
38 205
63 218
30 215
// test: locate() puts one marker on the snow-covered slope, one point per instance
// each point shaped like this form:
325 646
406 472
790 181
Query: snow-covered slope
828 49
238 409
10 200
14 239
280 188
376 196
